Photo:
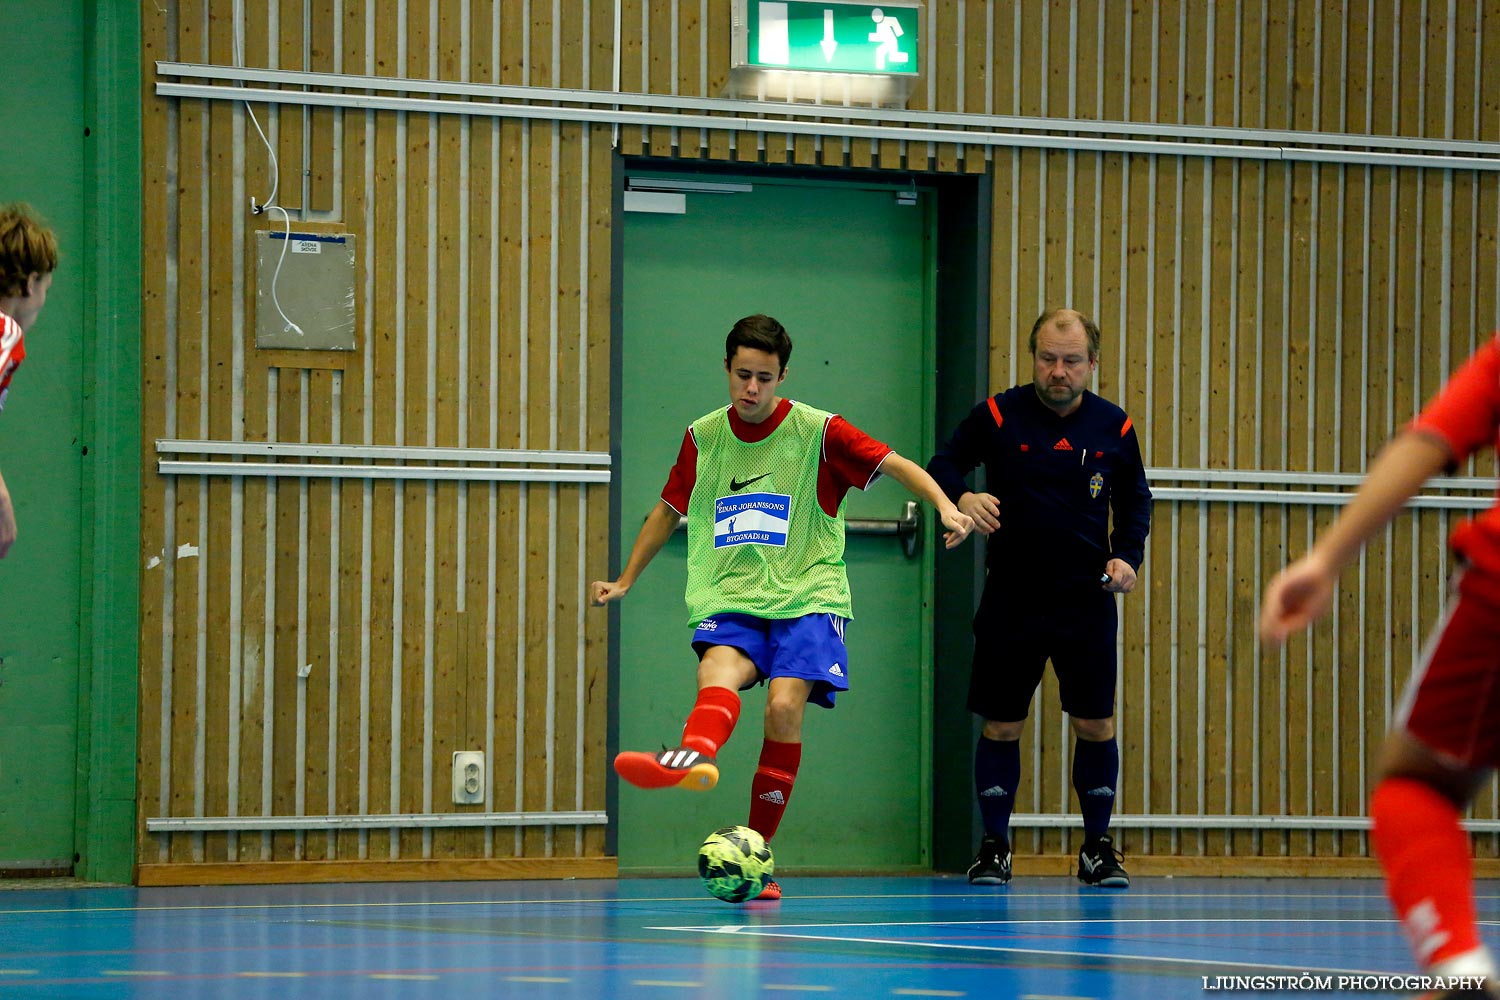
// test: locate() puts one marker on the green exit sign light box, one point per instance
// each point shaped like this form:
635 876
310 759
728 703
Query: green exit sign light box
836 37
780 45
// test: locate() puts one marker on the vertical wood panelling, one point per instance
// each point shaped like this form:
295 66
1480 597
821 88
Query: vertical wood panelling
973 97
178 666
596 303
416 339
719 32
692 68
215 564
329 644
322 57
284 24
472 678
159 202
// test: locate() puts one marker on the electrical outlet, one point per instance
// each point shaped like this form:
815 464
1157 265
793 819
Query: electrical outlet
468 777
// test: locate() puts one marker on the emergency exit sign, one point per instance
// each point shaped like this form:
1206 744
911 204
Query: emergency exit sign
832 36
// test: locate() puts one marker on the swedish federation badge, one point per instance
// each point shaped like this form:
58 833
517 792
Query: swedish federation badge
1096 483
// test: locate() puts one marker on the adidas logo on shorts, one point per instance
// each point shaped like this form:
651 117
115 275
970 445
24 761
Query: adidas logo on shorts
836 670
774 797
993 792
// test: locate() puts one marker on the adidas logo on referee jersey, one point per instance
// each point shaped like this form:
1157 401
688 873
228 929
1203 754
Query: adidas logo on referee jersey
774 797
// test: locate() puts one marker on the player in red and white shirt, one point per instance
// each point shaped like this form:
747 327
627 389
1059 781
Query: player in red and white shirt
28 256
1446 738
12 351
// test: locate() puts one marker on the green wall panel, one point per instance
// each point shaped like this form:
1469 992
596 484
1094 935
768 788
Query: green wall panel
69 447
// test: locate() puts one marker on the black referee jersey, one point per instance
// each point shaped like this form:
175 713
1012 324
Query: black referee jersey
1056 479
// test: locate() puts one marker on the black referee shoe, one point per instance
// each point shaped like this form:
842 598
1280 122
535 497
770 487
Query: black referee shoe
992 864
1100 864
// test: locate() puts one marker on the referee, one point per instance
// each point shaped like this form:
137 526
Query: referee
1057 459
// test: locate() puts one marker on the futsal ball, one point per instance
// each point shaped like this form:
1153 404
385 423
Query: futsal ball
735 863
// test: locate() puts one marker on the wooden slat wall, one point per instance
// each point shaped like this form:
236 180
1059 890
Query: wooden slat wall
1257 315
434 616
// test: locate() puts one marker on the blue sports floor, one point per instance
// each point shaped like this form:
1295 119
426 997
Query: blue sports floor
660 939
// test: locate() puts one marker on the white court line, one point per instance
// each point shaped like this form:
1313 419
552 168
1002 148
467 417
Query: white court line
787 931
1048 921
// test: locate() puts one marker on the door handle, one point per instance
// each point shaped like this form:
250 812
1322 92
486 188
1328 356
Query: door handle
906 528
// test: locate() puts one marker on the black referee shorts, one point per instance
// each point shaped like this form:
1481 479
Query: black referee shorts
1016 631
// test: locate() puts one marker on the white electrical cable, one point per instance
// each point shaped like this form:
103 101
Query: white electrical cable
270 203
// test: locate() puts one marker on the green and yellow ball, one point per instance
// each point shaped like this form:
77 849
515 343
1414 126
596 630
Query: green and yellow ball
735 862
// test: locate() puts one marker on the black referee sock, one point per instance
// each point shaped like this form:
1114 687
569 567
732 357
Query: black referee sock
997 774
1096 768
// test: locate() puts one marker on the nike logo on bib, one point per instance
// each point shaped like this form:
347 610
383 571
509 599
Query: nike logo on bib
735 485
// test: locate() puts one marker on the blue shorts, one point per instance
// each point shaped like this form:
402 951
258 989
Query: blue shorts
810 647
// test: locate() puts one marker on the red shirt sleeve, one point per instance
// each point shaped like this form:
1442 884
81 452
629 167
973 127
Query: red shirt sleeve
12 350
1466 411
851 459
683 477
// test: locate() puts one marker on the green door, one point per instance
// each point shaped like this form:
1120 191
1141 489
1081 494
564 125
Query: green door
41 438
846 267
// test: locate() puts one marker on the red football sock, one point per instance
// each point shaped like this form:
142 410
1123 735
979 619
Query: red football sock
711 720
1428 871
772 785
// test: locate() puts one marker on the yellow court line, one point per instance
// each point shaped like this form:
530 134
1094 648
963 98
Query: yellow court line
793 986
402 976
1011 895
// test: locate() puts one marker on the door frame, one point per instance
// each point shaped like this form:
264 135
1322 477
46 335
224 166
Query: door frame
109 604
960 291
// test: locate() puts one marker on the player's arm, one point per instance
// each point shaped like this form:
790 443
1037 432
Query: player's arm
1304 590
660 524
921 485
7 520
